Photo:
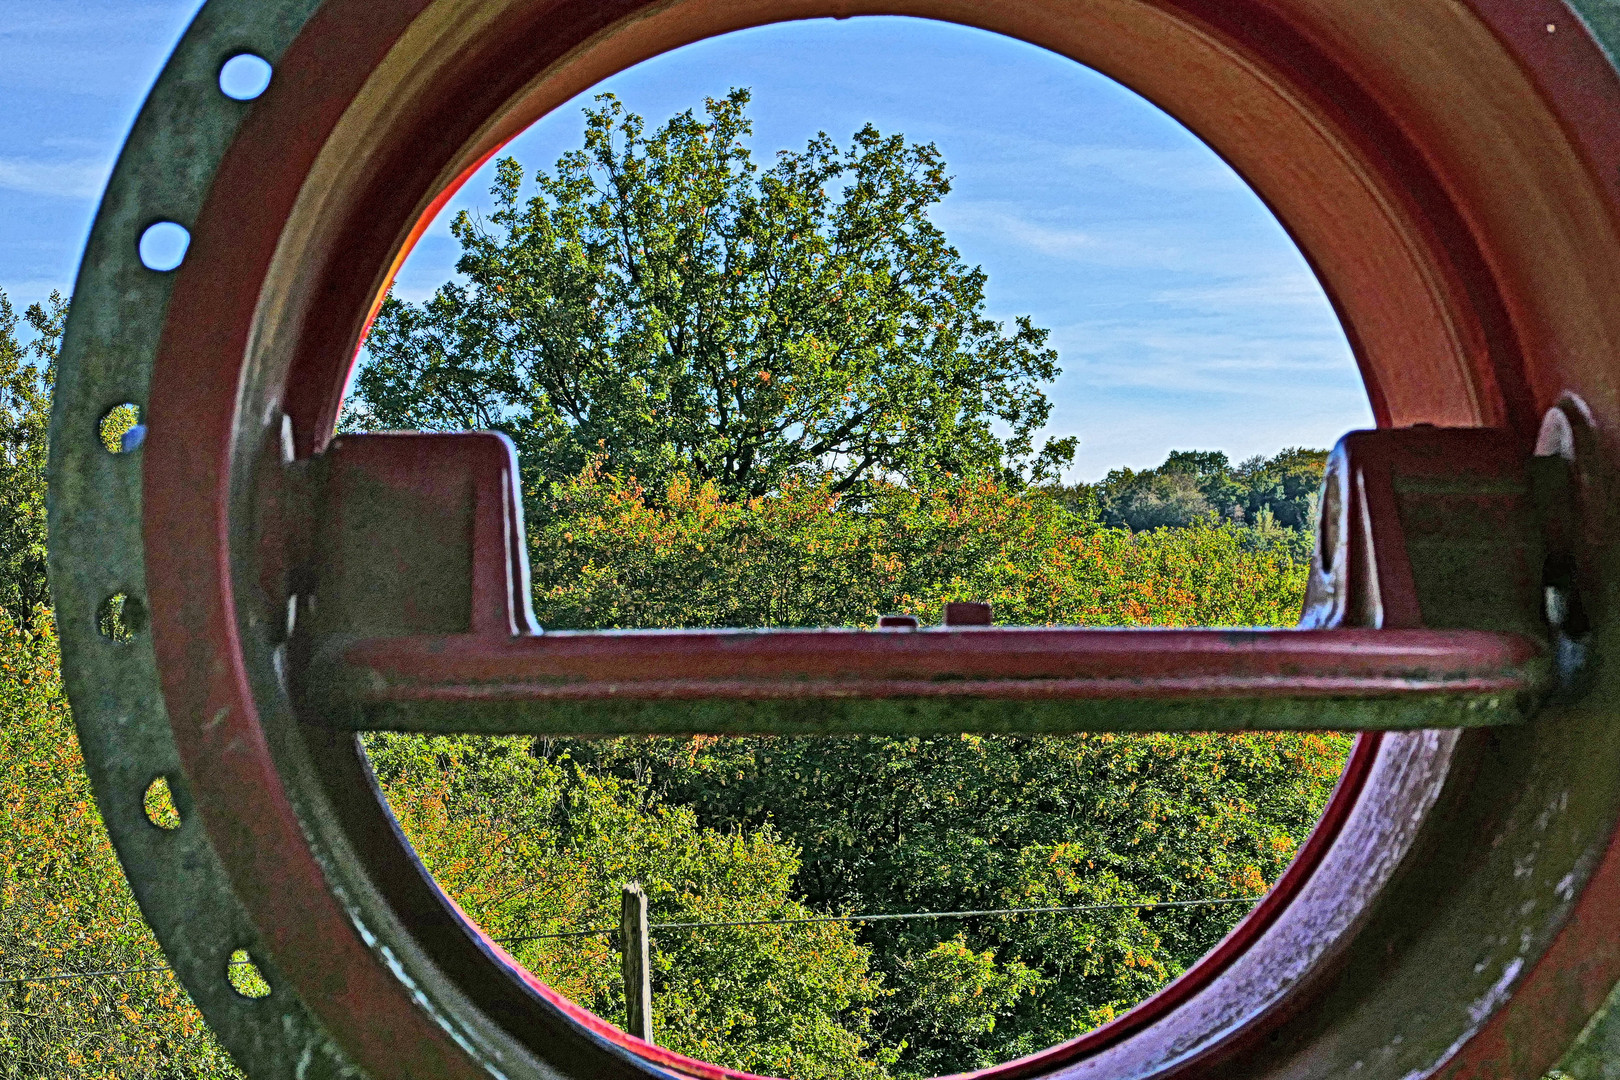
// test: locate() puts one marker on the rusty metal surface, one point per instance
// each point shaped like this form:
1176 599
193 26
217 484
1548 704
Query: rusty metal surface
1453 183
1029 680
1435 527
164 172
422 621
417 532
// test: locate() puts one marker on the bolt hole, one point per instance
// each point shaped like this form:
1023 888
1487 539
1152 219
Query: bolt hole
245 977
163 246
120 618
159 804
121 429
244 77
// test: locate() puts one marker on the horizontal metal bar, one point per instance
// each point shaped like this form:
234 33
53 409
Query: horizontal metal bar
1022 679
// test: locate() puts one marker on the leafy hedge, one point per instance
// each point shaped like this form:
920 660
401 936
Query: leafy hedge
879 825
65 906
606 555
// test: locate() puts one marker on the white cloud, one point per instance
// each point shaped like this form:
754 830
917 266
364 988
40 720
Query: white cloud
98 18
74 142
1132 393
68 179
1183 355
23 293
993 231
992 221
1266 290
1182 169
1046 239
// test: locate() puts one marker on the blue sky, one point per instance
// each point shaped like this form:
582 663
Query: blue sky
1183 316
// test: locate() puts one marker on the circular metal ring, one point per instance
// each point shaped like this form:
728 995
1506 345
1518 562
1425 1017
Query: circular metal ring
1452 171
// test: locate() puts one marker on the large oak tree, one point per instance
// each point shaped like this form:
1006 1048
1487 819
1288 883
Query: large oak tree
665 305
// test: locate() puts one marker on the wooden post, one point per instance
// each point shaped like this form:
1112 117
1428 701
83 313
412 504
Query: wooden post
635 951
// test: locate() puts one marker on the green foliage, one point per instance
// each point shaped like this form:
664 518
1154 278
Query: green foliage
955 823
972 823
115 425
607 555
806 388
956 991
827 428
1276 492
64 906
530 845
533 838
664 304
27 373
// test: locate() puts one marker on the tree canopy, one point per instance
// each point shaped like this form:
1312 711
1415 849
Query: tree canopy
985 822
752 397
27 373
1269 493
665 305
65 906
950 823
530 844
604 554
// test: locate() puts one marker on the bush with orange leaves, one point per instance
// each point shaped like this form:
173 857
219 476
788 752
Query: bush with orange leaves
608 555
66 908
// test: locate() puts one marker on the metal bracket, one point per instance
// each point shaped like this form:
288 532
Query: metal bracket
1424 611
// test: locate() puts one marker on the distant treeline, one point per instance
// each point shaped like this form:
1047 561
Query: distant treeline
1197 485
608 552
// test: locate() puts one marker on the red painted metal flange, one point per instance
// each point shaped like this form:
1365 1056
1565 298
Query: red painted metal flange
1452 170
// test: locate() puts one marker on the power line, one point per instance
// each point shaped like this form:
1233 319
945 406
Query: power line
887 916
598 931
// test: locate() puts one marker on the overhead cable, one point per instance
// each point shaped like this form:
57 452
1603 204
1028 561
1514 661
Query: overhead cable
885 916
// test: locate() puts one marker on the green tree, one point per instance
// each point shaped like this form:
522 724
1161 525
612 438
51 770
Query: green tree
27 373
1274 493
952 823
1288 484
531 845
65 906
976 822
666 306
605 554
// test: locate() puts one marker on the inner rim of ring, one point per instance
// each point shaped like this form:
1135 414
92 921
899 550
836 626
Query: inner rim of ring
1461 388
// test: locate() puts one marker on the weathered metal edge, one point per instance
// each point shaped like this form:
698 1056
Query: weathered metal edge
1595 1053
903 716
95 508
